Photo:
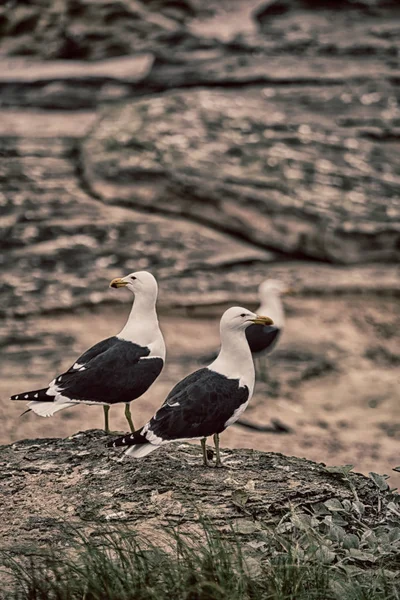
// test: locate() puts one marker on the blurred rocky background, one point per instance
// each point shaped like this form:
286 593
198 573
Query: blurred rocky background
215 143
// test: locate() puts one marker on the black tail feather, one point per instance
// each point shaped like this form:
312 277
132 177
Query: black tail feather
36 395
129 440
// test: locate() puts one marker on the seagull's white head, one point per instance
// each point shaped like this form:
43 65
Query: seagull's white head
238 318
141 282
273 287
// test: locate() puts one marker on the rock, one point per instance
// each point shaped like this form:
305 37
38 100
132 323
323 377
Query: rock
193 43
238 284
271 166
70 247
60 252
94 31
70 84
70 258
80 28
224 21
128 69
61 245
46 481
273 8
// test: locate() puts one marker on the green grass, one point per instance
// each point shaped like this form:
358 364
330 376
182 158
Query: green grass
115 565
336 550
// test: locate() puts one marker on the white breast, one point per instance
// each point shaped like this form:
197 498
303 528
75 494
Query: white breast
157 348
242 371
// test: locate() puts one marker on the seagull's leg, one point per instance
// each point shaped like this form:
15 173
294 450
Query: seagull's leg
129 417
263 368
106 423
218 462
204 448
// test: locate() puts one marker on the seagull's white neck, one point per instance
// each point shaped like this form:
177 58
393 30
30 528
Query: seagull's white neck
271 306
142 326
234 359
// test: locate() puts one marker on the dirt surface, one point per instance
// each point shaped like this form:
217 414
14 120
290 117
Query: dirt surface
333 379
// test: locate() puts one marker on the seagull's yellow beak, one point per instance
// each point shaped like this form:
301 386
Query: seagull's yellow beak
290 291
118 282
259 320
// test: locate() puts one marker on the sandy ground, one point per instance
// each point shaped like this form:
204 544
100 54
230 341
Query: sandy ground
334 379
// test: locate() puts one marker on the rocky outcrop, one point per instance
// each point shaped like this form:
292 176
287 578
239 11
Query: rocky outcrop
186 44
258 163
69 29
47 482
295 151
60 242
70 85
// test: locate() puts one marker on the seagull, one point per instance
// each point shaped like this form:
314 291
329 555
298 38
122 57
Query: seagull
262 340
207 401
118 369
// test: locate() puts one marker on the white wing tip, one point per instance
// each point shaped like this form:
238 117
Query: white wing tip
47 409
140 450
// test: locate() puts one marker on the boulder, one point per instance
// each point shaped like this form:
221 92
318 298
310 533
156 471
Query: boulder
46 483
287 169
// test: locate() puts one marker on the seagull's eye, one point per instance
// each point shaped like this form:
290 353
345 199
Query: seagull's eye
243 315
133 277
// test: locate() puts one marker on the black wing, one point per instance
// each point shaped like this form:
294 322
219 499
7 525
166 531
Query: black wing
198 406
86 357
115 375
95 350
262 337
